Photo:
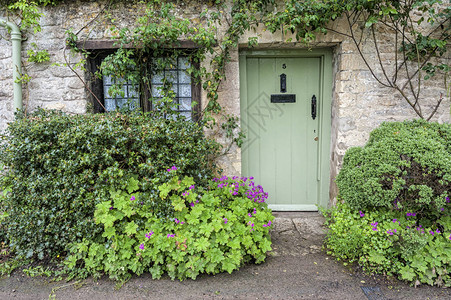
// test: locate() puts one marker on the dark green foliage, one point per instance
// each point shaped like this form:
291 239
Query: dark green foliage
393 217
59 167
404 165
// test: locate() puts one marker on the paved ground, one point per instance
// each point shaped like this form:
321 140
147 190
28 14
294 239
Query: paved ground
296 269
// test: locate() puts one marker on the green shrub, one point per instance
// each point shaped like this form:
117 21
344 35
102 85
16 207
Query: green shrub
59 167
213 230
404 165
394 208
392 242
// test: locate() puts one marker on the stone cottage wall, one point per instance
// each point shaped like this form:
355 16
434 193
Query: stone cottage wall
359 103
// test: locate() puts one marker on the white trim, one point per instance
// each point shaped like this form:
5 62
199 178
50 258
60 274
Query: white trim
293 207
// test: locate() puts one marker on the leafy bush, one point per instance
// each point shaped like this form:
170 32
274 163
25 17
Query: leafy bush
394 211
392 242
213 230
59 167
407 165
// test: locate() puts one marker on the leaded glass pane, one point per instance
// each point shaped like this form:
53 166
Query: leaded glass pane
158 78
183 63
185 104
187 115
130 94
184 77
171 76
156 91
110 104
185 90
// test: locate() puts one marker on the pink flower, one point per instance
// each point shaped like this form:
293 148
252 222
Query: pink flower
132 198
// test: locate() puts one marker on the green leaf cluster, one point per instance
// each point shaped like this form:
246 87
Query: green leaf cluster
393 217
211 231
59 167
404 165
392 243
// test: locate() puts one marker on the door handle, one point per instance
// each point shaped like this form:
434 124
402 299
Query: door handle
314 107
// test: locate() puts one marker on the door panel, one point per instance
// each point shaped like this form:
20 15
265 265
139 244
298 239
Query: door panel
281 151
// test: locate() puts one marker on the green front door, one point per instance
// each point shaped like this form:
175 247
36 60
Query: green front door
282 147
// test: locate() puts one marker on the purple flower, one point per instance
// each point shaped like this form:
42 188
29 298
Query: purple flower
374 224
442 209
251 178
148 235
450 236
185 194
132 198
249 214
191 187
225 220
173 168
437 231
111 208
361 214
447 199
431 232
141 246
411 214
192 204
170 235
374 228
394 220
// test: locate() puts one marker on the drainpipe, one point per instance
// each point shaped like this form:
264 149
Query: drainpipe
16 38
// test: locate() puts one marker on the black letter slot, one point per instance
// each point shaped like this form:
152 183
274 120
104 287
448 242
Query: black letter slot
283 83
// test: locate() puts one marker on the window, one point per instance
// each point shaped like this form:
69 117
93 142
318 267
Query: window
186 90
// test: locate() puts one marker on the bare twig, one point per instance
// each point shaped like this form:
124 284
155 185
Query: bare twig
379 56
363 56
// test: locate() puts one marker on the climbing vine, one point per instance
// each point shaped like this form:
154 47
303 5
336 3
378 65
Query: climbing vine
419 32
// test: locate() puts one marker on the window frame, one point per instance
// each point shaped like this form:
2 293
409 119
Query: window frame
98 50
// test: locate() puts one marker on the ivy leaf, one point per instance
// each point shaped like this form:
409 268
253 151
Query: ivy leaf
407 273
216 255
132 185
107 220
228 266
178 203
130 228
235 243
109 232
202 244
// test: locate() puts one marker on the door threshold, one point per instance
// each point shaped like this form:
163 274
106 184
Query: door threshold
293 207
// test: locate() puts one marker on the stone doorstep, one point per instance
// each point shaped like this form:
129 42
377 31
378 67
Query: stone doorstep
308 224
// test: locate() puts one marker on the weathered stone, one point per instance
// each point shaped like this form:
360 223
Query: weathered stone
360 103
